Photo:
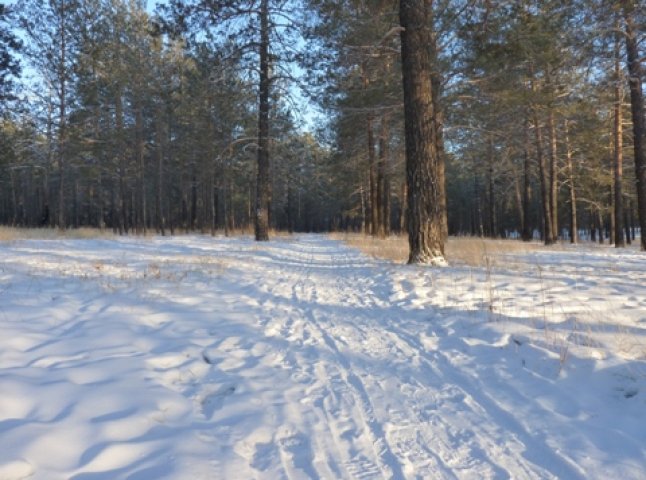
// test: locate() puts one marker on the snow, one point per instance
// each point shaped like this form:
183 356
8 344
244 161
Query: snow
220 358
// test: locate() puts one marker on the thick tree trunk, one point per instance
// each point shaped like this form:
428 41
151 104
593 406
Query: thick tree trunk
161 218
45 217
403 205
526 226
548 236
75 205
364 219
262 180
519 199
627 221
139 127
15 203
491 192
574 229
193 219
62 170
618 152
553 175
637 110
478 223
424 172
382 182
62 117
120 153
51 220
372 178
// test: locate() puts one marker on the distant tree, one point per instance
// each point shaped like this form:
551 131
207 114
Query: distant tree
635 81
9 66
49 26
261 32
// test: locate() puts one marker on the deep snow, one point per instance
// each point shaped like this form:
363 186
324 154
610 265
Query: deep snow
201 358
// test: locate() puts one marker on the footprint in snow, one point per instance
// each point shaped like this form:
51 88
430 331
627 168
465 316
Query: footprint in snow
631 392
214 401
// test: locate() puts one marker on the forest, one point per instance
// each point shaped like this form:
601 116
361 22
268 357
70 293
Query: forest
149 150
215 115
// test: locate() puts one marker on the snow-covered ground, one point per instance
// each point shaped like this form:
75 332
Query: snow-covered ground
201 358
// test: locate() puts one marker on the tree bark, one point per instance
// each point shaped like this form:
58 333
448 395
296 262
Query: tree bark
120 153
161 219
139 127
548 236
574 229
526 227
491 191
372 178
262 180
62 116
424 174
553 175
637 111
384 182
618 150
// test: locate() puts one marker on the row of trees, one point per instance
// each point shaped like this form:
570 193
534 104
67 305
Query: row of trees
187 119
537 108
131 127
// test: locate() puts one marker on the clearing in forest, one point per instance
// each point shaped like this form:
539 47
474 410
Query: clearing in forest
221 358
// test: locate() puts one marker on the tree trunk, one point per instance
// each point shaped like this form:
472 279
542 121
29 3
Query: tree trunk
491 192
120 153
519 199
383 187
479 229
161 219
424 173
262 181
51 220
372 178
637 110
62 118
403 202
627 223
75 206
193 221
139 127
438 120
548 236
574 229
526 227
618 151
553 175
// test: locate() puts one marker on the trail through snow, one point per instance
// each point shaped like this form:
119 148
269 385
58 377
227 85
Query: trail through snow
201 358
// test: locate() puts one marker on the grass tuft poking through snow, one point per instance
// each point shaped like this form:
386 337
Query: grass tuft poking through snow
198 357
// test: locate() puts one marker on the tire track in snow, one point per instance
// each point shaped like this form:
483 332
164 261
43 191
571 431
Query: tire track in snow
452 449
419 451
439 365
418 417
344 376
343 402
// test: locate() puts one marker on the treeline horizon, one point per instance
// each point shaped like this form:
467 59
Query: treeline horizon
187 118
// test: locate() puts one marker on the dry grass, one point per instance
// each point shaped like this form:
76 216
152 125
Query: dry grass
10 234
477 252
393 248
485 252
